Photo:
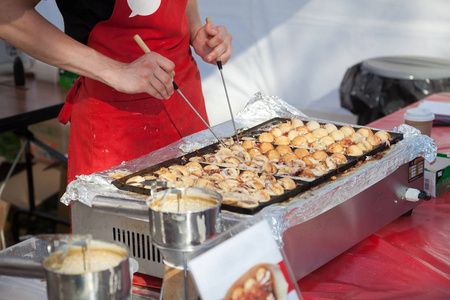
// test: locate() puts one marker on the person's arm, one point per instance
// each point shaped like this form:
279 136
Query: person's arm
23 27
208 41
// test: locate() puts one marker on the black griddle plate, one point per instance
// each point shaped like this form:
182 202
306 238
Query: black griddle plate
301 185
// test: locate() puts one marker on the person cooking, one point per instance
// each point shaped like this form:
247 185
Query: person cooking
123 105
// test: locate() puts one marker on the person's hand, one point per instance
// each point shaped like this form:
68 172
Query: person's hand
151 73
212 42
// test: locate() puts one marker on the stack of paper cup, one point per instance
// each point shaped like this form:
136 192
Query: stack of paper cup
420 118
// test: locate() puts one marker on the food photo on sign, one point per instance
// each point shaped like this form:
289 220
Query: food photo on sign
243 263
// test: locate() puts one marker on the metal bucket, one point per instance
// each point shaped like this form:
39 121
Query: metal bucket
110 277
111 280
182 231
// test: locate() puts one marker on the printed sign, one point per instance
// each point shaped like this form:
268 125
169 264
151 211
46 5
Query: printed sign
248 265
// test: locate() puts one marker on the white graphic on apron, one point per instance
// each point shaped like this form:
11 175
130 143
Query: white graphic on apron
143 7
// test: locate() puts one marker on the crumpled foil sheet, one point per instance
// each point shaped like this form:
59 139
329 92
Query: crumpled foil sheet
303 207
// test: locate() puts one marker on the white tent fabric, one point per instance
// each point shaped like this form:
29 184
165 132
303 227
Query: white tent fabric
299 50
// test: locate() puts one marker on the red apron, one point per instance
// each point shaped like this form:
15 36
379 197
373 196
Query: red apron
109 127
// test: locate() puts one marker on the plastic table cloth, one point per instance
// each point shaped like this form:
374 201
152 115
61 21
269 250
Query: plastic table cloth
407 259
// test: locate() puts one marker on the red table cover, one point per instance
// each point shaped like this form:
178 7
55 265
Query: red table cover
407 259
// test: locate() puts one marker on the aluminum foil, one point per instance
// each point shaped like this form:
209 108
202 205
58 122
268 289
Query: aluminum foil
282 216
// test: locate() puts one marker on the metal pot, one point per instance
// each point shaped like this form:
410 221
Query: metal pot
112 280
183 229
176 232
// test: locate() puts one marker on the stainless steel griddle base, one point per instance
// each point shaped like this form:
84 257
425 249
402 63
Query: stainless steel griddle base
313 243
308 245
133 232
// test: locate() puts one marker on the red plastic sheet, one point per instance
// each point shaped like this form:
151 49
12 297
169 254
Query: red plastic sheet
407 259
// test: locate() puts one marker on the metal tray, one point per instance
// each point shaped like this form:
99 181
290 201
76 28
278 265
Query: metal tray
301 185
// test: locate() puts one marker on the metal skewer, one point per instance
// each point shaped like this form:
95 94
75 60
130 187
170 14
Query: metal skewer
219 65
145 48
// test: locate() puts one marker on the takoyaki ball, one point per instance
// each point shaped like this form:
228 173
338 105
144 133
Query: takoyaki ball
267 178
269 168
346 142
204 183
266 137
365 132
254 152
347 130
247 144
326 140
282 149
254 185
355 137
318 146
135 179
167 176
211 168
287 183
330 127
306 174
179 171
197 159
230 172
311 138
312 125
374 140
274 189
237 148
383 135
224 152
285 127
265 147
296 123
193 165
299 141
260 160
260 196
309 161
292 134
222 187
247 175
276 131
232 160
212 158
288 157
339 158
247 203
320 132
365 146
354 150
301 152
303 130
188 180
273 155
335 148
337 135
319 155
216 177
282 140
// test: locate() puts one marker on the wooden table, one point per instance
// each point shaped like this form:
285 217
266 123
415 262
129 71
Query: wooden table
22 106
37 101
407 259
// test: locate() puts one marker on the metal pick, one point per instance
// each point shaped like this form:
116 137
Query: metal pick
145 48
219 65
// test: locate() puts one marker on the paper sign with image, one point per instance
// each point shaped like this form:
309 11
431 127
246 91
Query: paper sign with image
248 265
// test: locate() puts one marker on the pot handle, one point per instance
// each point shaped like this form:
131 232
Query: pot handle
124 207
21 267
